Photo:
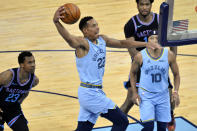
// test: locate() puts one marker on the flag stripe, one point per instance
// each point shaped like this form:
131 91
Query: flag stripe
180 25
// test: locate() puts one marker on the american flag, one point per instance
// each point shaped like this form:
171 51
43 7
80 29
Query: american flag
180 25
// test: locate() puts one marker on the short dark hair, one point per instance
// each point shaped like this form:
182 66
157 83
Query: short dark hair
151 1
83 22
22 55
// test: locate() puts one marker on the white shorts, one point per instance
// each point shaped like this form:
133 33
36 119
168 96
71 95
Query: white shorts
155 108
93 102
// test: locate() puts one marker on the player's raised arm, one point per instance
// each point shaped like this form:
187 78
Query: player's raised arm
72 40
114 43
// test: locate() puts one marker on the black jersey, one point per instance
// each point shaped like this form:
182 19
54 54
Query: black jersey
10 94
140 30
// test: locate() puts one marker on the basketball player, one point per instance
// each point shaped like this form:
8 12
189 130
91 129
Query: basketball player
153 93
138 28
90 60
15 84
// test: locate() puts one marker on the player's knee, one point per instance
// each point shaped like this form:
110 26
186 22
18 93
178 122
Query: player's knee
120 125
124 122
161 126
84 126
123 119
148 126
119 118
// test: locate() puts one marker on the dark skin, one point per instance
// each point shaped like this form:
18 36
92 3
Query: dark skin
28 66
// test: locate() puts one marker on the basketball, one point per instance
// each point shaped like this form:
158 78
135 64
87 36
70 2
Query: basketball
72 14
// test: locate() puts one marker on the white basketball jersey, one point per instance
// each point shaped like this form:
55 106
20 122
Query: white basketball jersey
154 72
91 67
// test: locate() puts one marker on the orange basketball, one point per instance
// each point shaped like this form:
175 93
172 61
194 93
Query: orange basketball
72 14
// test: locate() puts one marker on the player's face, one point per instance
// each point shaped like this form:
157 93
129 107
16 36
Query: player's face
92 29
29 64
153 39
144 7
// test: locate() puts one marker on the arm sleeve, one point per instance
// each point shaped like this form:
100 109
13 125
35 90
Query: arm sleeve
129 29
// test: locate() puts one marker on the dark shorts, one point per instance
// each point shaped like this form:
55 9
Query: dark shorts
11 115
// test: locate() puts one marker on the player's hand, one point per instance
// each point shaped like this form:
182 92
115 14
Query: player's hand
152 45
136 99
175 99
59 14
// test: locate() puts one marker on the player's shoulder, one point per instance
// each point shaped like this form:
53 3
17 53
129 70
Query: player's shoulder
83 42
104 37
80 38
156 16
36 81
138 56
130 21
171 55
5 77
169 51
7 73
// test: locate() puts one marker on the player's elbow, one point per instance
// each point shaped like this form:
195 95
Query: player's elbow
177 76
71 42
